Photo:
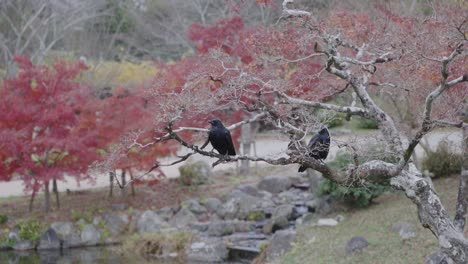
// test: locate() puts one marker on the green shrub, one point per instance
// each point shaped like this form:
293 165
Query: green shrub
443 161
336 121
3 219
365 123
355 195
30 230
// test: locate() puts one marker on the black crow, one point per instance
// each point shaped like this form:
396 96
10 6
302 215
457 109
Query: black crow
220 138
318 147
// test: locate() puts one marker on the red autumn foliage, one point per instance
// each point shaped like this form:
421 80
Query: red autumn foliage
42 135
123 117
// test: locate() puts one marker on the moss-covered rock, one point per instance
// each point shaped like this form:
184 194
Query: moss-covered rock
164 245
195 173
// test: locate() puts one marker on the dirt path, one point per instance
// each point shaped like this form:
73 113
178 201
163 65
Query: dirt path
267 146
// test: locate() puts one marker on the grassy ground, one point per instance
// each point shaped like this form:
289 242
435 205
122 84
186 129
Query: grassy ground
327 245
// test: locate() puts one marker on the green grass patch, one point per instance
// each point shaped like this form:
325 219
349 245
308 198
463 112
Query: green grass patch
327 244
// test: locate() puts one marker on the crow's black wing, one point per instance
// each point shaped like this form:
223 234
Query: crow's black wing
311 150
324 148
313 147
230 146
216 139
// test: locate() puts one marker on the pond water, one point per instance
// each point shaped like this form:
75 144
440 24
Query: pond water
90 255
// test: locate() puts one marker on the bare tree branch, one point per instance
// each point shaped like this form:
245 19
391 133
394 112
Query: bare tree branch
293 12
427 124
352 110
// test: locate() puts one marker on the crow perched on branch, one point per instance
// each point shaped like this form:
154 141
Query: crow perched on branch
220 138
318 147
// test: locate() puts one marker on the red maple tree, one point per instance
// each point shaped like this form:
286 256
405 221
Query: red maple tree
42 135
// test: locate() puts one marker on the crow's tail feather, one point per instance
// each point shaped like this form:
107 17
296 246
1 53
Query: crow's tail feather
302 168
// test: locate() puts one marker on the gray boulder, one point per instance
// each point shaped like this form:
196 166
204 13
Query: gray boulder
314 179
438 258
150 222
195 173
404 229
49 240
207 250
320 205
275 184
224 228
90 236
280 219
97 220
116 222
267 227
280 223
250 190
183 218
195 207
294 196
221 228
24 245
306 218
63 229
72 240
166 213
200 227
14 235
211 203
281 243
327 222
270 226
285 210
356 244
242 206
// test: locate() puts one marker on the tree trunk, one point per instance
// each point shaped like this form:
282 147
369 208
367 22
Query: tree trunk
123 189
55 190
31 201
247 139
46 197
111 185
432 213
132 183
462 200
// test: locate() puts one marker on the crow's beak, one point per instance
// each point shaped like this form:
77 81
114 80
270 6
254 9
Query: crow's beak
211 122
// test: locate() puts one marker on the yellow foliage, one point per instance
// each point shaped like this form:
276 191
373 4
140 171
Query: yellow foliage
111 73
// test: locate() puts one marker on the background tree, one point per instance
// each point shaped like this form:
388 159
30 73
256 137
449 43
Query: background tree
36 28
43 134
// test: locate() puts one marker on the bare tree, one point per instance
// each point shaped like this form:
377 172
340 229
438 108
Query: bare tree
35 28
389 59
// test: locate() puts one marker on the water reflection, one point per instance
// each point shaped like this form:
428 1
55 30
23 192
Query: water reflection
66 256
88 255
